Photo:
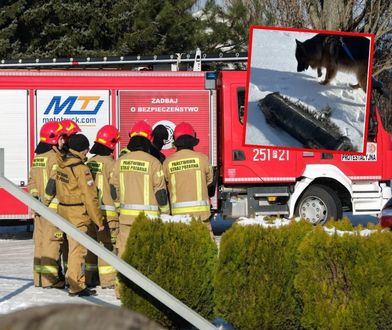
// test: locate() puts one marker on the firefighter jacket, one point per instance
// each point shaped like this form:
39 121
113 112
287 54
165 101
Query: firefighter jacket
101 168
50 200
76 191
138 184
188 174
44 166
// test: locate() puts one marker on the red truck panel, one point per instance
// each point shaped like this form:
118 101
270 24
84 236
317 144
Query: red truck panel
167 107
12 208
259 164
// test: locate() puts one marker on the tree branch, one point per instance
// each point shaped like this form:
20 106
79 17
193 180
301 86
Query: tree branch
361 16
383 68
314 14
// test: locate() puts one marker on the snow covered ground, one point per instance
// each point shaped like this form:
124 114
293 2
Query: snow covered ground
17 290
274 69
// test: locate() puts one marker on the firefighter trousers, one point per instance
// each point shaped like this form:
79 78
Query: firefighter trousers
51 270
37 236
75 274
123 237
92 279
107 273
64 253
98 270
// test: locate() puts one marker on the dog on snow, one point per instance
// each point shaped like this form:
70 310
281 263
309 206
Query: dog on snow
335 53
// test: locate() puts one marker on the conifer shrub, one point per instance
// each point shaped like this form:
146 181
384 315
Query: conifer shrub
254 286
181 258
341 224
346 225
345 282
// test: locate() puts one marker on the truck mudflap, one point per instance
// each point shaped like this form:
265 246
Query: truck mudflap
303 124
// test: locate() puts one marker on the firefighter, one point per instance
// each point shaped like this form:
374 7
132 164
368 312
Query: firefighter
101 166
137 182
159 136
46 237
91 264
78 203
189 176
69 128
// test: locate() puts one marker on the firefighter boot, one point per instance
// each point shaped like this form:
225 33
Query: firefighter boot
83 293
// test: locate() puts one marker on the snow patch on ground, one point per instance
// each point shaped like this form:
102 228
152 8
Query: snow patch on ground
166 218
261 221
17 289
280 222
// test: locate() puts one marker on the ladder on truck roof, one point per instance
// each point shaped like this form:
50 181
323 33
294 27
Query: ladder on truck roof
173 60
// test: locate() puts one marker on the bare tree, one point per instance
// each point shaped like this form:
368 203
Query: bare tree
369 16
288 13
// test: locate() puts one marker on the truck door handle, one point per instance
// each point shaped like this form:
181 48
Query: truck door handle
238 155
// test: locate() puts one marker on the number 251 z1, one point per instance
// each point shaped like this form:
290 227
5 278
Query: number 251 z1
261 155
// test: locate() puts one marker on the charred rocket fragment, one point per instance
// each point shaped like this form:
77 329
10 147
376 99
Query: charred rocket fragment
303 124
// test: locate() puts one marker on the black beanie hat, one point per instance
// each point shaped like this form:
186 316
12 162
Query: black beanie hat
186 142
139 143
159 134
100 149
78 142
43 147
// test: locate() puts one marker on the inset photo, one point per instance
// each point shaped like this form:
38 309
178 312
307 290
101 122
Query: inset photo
308 89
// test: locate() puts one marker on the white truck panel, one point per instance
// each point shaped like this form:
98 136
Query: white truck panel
90 109
14 132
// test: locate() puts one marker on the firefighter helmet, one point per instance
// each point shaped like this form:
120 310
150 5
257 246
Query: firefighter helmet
184 129
70 127
50 132
141 128
108 135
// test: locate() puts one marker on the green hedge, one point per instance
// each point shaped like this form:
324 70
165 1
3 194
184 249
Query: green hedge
292 277
254 286
345 282
346 225
181 258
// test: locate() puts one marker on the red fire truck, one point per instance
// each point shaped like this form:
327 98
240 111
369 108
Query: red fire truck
251 180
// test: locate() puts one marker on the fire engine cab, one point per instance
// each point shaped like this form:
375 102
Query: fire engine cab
250 180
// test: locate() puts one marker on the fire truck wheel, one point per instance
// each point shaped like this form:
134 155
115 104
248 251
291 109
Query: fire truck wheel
318 204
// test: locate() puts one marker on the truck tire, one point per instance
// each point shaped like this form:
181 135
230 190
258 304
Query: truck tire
318 204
